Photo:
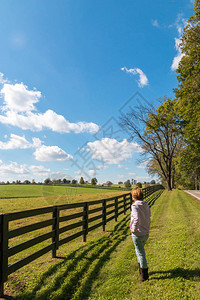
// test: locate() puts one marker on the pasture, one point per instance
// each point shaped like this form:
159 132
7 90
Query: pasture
24 197
105 267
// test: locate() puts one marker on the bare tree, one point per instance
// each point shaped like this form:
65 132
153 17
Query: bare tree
158 132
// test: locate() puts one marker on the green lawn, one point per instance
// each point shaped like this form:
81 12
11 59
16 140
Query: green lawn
105 267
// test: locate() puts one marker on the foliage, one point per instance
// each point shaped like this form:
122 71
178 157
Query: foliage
65 181
109 183
47 181
127 184
139 184
74 181
26 182
153 182
188 101
94 181
158 133
82 180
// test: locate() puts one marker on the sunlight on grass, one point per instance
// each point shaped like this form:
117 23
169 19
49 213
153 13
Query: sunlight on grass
106 268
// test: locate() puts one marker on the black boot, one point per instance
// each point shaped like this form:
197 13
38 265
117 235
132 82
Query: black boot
144 274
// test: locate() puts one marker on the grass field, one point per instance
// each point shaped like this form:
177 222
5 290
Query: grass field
105 267
23 197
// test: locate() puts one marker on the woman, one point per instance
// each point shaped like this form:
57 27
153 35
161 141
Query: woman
140 225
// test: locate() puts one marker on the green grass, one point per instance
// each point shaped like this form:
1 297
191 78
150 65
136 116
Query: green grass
9 191
106 268
23 197
172 251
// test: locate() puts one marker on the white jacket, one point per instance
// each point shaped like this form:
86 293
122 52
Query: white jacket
140 218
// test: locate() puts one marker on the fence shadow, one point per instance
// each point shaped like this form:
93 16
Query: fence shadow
177 272
74 275
152 199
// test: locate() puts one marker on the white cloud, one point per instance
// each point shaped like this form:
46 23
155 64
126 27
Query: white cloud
12 169
19 110
180 24
2 80
121 176
143 80
19 142
39 170
132 174
59 175
48 120
51 153
101 167
141 167
18 98
92 172
178 57
155 23
142 178
111 151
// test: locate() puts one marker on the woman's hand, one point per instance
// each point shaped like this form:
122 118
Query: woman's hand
132 230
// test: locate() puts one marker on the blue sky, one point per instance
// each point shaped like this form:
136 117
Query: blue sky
67 68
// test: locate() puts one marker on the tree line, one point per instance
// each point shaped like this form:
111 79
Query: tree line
169 135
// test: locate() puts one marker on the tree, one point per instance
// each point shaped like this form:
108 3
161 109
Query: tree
120 182
188 98
158 132
47 181
153 182
65 181
139 184
94 181
188 92
127 184
82 181
27 182
188 168
109 183
74 181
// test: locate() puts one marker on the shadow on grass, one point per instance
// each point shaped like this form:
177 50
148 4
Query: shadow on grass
152 199
7 297
175 273
72 278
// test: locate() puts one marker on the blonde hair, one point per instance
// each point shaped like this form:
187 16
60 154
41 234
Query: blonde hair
137 194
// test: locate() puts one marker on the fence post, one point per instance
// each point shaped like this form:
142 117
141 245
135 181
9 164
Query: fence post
3 251
55 228
124 197
131 200
85 219
116 208
104 214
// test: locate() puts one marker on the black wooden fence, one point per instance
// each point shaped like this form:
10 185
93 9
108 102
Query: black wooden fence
82 217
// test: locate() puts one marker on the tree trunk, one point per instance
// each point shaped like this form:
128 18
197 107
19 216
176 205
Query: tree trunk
169 181
169 187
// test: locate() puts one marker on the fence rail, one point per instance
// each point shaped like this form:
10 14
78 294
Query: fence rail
107 209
